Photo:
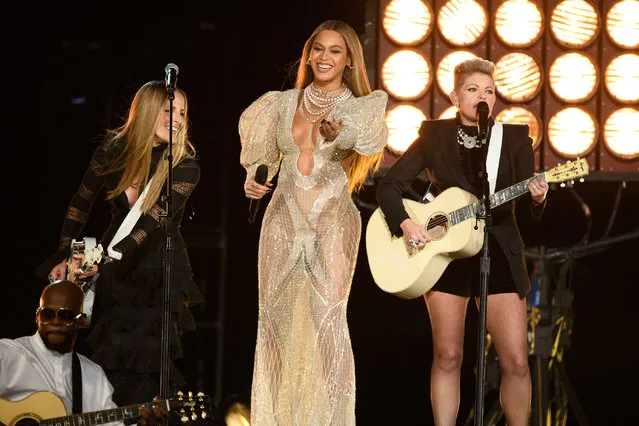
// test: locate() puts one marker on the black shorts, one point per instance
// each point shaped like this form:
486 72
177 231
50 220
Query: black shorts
462 276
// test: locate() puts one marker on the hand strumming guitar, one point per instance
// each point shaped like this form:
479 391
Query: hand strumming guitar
414 234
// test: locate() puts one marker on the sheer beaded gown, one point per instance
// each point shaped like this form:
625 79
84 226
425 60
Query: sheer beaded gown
304 368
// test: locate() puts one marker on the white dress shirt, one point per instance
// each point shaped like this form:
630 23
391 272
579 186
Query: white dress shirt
27 366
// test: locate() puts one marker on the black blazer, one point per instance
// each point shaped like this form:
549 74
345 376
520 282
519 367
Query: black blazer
436 151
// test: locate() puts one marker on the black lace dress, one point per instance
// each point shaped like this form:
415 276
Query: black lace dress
125 334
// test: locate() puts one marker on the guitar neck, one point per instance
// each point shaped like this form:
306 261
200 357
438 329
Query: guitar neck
128 412
496 199
514 191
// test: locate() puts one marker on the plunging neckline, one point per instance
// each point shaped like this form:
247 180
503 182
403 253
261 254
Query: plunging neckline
294 106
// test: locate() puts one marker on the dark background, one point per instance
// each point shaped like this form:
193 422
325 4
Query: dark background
70 71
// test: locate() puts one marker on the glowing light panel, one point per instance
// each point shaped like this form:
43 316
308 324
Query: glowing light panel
621 133
574 23
518 23
406 74
462 22
622 24
407 22
622 78
517 77
572 132
403 123
573 77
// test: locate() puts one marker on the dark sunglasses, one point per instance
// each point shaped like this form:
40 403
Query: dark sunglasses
67 316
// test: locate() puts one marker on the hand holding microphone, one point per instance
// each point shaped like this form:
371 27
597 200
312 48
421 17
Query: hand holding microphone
255 189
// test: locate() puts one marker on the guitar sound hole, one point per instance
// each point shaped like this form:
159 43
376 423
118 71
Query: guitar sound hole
27 421
437 226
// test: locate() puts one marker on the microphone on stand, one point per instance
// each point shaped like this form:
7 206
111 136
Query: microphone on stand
260 177
482 113
171 71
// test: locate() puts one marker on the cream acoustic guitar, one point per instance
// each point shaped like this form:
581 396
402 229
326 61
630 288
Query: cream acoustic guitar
47 409
453 221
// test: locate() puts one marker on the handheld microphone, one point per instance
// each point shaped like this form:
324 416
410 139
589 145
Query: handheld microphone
482 113
171 71
260 177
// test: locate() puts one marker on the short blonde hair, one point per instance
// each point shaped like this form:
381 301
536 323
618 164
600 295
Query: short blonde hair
465 69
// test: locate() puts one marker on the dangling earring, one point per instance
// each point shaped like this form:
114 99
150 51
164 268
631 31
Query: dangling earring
350 67
308 62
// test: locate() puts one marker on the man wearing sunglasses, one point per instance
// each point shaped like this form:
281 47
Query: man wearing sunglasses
43 361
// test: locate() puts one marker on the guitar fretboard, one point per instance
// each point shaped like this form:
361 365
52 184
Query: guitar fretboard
106 416
128 412
496 199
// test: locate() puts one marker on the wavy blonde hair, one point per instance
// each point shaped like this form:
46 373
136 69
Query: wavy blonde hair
138 135
356 80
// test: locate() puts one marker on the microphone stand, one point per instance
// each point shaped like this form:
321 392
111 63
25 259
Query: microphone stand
167 263
484 268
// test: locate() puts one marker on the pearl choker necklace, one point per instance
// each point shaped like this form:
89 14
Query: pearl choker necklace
317 102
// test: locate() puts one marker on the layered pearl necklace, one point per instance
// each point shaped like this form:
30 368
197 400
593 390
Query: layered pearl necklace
317 103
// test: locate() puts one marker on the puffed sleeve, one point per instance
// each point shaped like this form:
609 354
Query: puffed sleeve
364 127
258 129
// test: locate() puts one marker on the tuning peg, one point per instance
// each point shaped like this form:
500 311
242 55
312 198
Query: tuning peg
190 394
581 180
204 415
180 393
184 419
194 416
200 394
562 184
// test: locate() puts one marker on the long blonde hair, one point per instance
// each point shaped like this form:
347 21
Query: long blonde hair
356 80
138 135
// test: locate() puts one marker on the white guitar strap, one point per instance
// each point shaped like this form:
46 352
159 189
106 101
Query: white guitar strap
494 153
129 221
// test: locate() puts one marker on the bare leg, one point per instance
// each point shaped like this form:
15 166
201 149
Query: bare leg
506 323
447 314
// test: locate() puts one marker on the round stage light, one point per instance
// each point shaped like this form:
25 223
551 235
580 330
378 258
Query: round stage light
622 24
517 77
403 123
407 22
521 115
621 133
449 112
572 132
518 23
446 69
406 74
573 77
462 22
574 23
622 78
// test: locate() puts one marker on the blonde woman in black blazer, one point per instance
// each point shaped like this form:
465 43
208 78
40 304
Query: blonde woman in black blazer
451 153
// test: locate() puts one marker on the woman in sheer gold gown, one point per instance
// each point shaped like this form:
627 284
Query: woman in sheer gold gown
324 136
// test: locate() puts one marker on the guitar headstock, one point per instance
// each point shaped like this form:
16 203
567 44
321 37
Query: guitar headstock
93 255
191 407
568 172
